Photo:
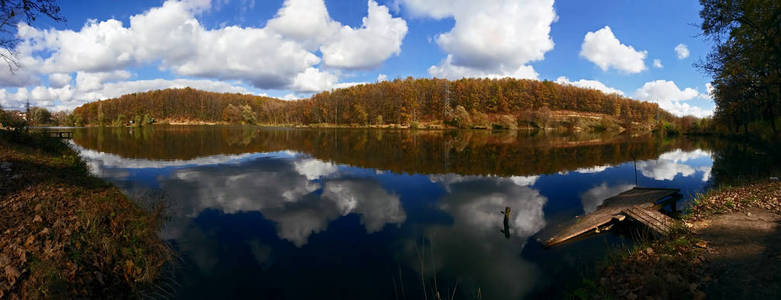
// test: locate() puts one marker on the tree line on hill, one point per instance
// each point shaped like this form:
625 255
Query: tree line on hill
464 103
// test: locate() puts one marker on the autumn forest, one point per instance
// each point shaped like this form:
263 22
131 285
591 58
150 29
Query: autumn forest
465 103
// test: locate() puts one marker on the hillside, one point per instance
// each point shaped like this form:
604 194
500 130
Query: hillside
465 103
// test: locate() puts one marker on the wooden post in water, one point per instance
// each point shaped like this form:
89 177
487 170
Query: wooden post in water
506 229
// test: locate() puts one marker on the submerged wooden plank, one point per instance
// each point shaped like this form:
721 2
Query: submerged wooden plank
611 208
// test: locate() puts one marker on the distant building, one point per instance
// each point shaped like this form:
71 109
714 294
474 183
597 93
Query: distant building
17 114
14 116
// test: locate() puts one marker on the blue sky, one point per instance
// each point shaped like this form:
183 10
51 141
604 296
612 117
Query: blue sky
293 48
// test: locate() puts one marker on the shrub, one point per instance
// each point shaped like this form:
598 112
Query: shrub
12 121
121 120
670 129
247 115
506 122
480 120
542 117
231 114
148 119
78 121
461 118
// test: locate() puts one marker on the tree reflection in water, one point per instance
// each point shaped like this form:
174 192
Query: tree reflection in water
345 209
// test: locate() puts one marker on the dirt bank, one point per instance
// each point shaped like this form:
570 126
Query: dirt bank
743 254
728 246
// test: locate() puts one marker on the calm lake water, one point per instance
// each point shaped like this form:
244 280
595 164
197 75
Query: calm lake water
268 213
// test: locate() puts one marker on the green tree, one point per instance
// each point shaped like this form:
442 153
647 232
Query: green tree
361 117
121 120
148 120
247 115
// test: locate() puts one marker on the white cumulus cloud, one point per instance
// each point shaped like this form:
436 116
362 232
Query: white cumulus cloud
286 54
367 47
658 63
669 97
682 51
87 81
606 51
589 84
305 21
660 90
448 70
490 38
68 97
58 80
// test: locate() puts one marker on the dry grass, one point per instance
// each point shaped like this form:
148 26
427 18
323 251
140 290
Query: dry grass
66 234
764 195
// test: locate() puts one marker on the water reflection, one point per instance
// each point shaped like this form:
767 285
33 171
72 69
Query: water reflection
595 196
424 152
344 211
283 191
670 164
470 245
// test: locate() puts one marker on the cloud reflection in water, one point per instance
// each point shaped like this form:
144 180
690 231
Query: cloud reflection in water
595 196
282 191
670 164
473 245
285 191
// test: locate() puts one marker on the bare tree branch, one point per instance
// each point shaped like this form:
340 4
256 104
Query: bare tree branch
12 12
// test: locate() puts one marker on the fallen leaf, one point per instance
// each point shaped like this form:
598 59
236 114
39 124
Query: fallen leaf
11 274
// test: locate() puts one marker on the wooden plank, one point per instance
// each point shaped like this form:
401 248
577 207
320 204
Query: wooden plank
612 207
655 220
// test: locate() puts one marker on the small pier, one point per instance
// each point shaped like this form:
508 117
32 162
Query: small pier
639 204
60 134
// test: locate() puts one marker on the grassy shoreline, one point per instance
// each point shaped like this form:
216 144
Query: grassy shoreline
682 264
65 233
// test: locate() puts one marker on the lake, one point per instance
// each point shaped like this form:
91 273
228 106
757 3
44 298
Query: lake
283 213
